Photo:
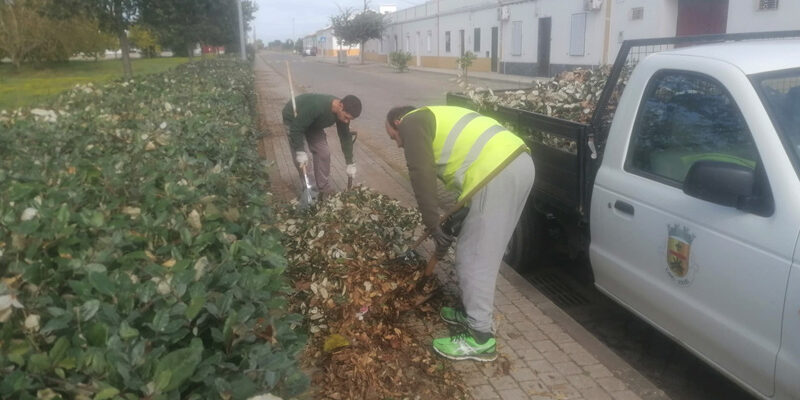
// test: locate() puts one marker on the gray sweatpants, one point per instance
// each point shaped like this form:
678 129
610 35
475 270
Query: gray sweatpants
320 159
493 215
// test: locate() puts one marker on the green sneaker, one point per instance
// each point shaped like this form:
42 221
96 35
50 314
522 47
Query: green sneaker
453 316
464 347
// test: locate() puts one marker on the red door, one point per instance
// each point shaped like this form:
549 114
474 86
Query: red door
700 17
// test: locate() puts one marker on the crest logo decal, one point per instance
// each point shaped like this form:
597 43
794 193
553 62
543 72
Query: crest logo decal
679 250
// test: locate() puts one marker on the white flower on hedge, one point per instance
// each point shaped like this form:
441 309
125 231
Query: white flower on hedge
266 396
162 285
46 115
229 238
133 212
46 394
29 214
32 322
194 220
167 107
8 303
200 268
163 125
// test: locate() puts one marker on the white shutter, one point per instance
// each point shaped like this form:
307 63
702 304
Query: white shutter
516 38
577 35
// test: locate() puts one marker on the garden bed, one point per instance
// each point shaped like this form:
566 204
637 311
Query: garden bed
138 252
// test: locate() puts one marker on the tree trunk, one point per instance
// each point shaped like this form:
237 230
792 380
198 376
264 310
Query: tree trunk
361 51
190 50
125 48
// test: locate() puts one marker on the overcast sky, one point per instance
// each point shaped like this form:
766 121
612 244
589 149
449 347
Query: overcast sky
287 19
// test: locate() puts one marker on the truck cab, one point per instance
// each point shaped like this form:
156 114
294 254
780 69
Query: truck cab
695 209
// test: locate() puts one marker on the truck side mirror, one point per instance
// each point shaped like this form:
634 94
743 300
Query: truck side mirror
726 184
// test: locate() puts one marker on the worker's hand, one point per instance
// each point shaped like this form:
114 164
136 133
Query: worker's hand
301 158
351 171
443 242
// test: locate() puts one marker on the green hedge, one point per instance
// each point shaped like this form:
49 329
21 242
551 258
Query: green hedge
137 251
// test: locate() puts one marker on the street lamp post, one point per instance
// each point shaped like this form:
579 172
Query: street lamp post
241 30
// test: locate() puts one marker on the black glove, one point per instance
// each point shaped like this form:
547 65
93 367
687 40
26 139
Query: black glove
443 242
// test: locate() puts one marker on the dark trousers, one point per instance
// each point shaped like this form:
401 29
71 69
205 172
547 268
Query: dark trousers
320 159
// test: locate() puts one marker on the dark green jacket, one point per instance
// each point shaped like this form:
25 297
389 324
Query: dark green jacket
314 114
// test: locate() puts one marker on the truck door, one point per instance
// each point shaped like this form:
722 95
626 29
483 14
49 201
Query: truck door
789 357
713 277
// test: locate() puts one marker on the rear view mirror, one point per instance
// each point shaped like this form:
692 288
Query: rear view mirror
726 184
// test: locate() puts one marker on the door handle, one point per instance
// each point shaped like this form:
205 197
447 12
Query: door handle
623 207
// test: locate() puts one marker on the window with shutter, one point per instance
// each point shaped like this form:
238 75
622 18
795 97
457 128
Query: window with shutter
767 4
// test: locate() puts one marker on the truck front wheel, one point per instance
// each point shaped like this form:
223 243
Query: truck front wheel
526 247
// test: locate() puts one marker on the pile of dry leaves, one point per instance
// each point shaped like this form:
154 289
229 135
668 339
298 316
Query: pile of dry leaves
359 293
571 95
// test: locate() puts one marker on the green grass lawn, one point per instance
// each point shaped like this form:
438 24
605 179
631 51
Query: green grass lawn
31 85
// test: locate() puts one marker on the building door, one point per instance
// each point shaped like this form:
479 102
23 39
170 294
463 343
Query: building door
494 49
543 59
700 17
461 36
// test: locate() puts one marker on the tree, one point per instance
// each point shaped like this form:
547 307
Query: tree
22 30
464 62
145 40
27 33
298 46
114 17
359 28
224 30
399 60
182 24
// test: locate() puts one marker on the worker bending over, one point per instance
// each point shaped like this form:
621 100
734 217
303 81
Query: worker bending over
492 171
315 112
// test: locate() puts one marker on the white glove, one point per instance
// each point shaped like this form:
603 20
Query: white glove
301 158
351 170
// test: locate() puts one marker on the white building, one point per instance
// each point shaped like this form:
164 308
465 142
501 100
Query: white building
327 45
544 37
387 9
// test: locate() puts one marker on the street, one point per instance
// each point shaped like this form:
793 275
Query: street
379 88
668 366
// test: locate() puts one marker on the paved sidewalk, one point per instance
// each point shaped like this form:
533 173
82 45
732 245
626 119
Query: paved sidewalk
544 354
353 62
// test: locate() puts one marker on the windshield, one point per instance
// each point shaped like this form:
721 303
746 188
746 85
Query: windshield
781 94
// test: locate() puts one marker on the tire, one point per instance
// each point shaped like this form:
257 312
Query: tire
526 247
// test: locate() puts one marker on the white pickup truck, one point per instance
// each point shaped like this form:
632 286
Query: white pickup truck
688 204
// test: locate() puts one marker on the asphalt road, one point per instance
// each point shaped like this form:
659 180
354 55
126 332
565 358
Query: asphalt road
671 368
379 87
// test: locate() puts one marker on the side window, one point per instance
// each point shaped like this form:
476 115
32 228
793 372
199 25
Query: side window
684 118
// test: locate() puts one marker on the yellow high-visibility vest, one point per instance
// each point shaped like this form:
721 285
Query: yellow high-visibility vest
469 148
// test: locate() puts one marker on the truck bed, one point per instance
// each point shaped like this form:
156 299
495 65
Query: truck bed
560 175
564 179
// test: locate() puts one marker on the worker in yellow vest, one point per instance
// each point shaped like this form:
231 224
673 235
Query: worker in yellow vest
492 171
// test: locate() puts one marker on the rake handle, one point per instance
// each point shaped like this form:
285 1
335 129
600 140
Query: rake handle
291 87
431 266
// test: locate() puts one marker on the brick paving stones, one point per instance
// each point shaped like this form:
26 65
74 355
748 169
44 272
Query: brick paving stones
539 359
